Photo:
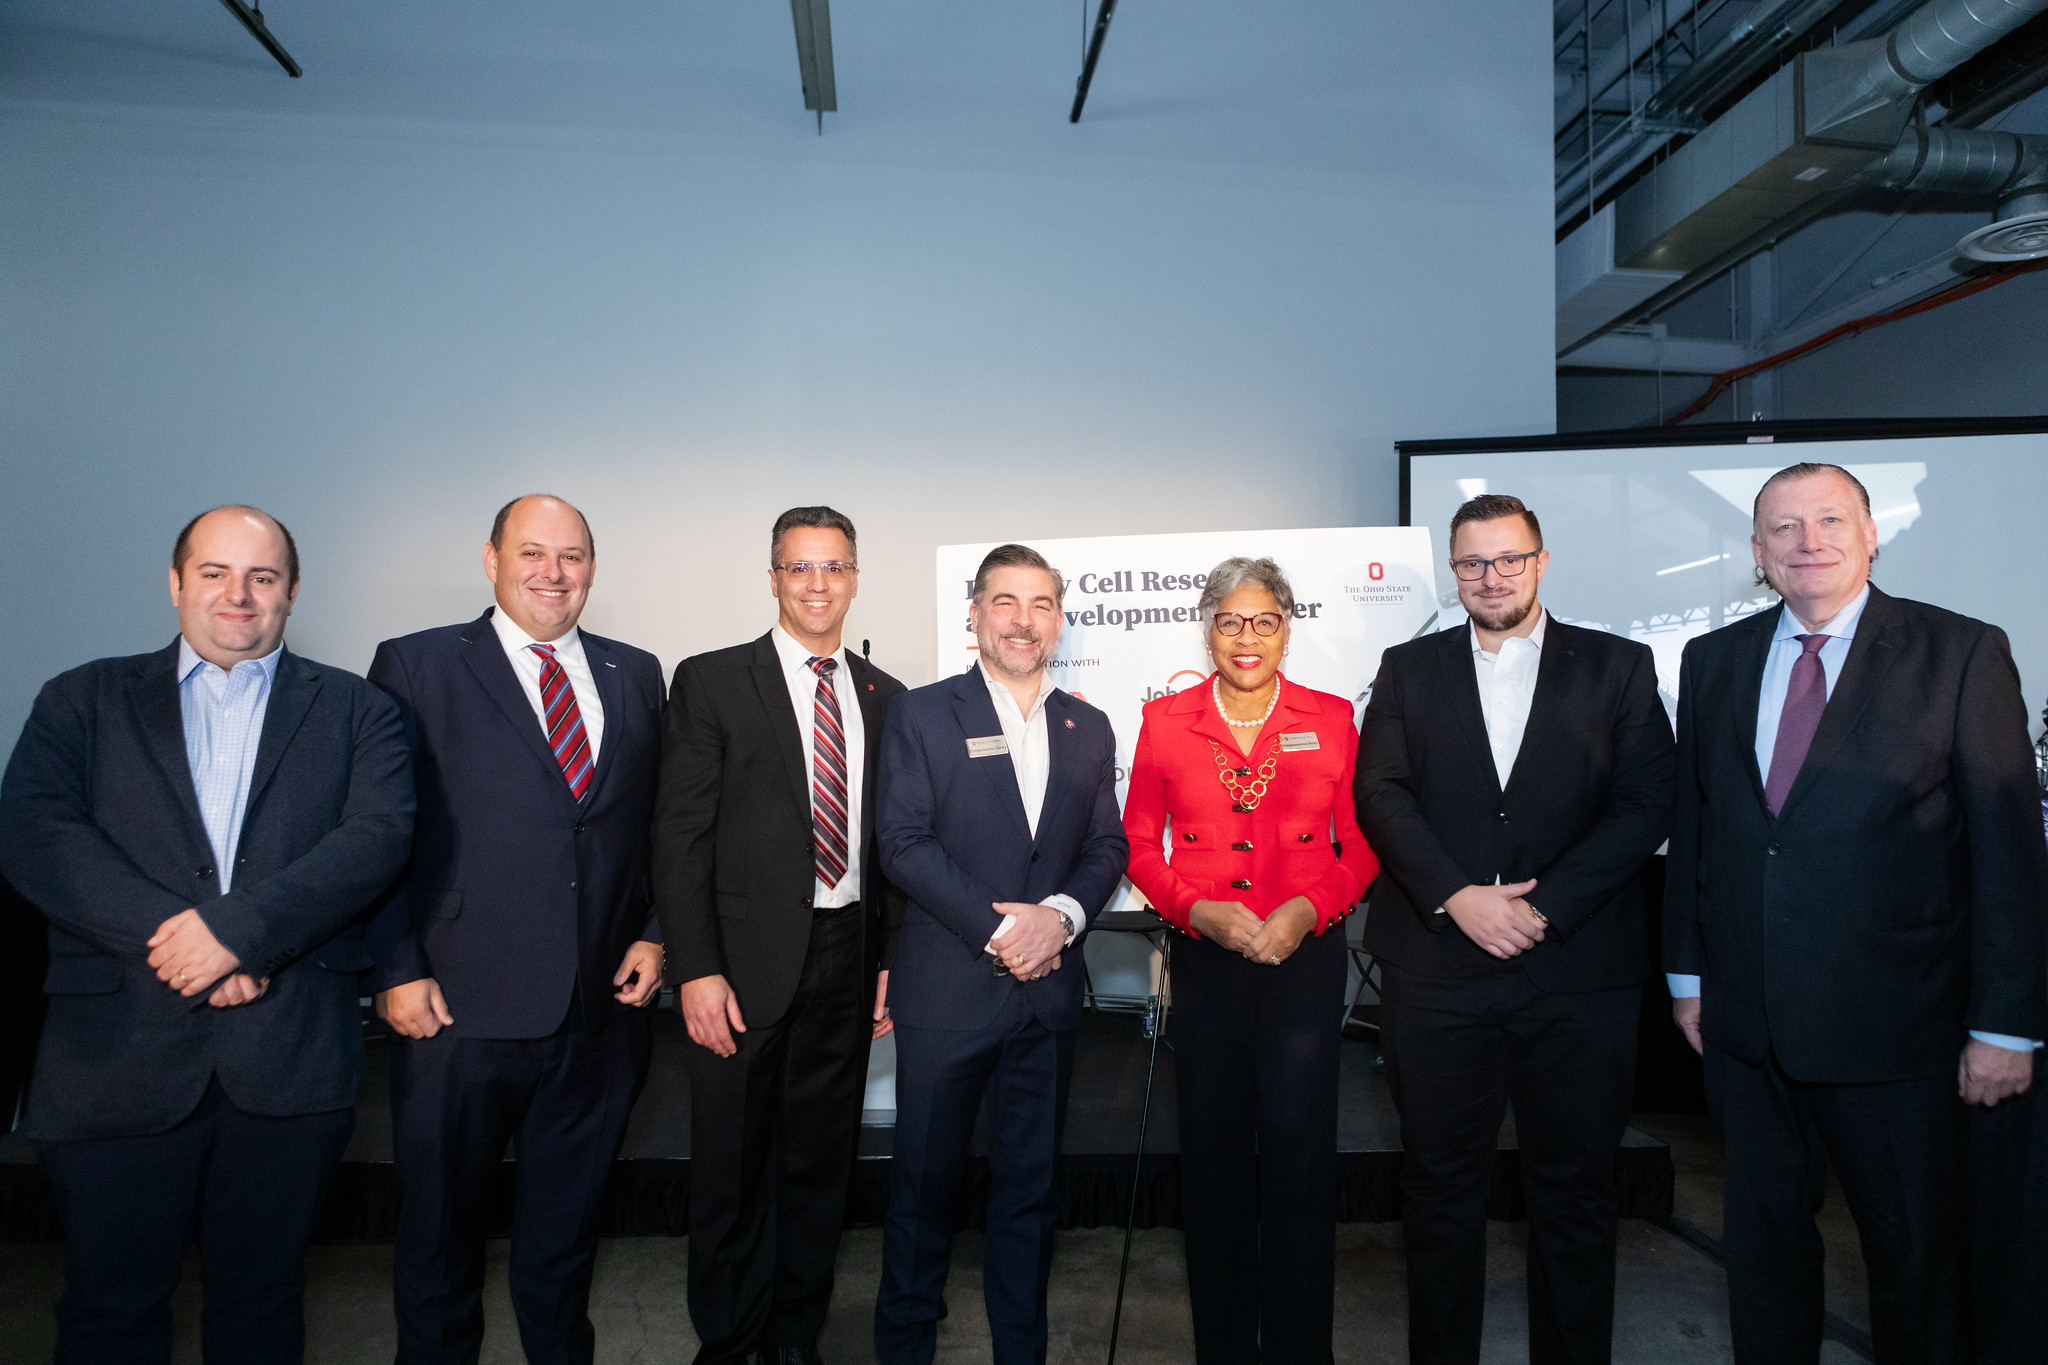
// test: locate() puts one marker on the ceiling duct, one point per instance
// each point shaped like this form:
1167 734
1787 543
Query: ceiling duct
2013 166
1810 128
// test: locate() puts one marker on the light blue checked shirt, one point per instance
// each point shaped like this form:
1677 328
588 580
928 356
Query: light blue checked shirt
223 712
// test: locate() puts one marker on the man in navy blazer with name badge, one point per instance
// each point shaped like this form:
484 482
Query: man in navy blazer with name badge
999 821
203 827
520 942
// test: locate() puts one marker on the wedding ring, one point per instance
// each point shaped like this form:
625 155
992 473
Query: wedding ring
1274 960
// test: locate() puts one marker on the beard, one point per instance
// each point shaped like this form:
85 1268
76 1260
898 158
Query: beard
991 654
1506 616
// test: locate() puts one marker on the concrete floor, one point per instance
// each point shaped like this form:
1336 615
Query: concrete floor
1671 1299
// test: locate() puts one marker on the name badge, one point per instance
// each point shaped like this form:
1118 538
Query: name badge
988 746
1291 743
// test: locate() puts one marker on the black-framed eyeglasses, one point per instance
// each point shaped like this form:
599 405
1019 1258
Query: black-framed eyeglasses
1507 566
831 568
1265 623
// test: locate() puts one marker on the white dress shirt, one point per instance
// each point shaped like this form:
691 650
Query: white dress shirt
223 710
1031 757
1507 684
528 662
1770 707
803 695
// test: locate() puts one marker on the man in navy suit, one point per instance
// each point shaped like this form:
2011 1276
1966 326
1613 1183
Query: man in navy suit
202 826
514 952
998 819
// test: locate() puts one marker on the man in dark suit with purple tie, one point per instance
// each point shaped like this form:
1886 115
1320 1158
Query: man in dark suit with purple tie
516 949
1853 919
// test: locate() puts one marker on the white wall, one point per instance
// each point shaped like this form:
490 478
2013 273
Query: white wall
486 248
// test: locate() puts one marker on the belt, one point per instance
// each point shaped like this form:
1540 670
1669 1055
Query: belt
825 912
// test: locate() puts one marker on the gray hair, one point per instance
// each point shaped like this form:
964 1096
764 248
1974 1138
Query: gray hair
1238 572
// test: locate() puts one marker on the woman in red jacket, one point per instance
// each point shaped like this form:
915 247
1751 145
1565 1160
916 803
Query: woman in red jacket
1242 835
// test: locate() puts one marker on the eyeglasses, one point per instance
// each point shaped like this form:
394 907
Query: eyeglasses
831 568
1230 623
1507 566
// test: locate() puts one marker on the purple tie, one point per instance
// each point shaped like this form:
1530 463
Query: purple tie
1805 699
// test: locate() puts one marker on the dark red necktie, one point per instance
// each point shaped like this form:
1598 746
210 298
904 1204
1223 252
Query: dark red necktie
828 776
1805 698
564 722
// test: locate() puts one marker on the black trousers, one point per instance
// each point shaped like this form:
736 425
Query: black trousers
1897 1147
2009 1228
942 1076
1459 1052
1255 1061
456 1104
251 1187
774 1130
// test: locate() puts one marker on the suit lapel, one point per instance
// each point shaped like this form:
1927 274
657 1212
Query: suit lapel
154 693
611 694
1747 694
1461 687
1555 663
1870 655
976 712
871 717
1062 740
292 691
773 686
486 659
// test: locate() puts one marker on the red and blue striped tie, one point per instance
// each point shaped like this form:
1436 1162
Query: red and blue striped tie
828 776
564 722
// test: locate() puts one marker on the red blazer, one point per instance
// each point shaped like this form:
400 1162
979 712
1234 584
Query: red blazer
1303 840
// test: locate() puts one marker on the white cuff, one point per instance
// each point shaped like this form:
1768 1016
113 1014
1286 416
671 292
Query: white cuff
1060 900
1681 986
2011 1042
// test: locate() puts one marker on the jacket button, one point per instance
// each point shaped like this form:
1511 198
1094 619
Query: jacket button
204 872
805 902
1771 849
1503 817
1243 846
579 829
1034 857
1241 884
1305 838
1189 837
572 886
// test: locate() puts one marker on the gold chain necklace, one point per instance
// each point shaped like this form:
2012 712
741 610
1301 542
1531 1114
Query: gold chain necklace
1244 796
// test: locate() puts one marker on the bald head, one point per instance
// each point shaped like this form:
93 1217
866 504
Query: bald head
540 561
288 552
234 577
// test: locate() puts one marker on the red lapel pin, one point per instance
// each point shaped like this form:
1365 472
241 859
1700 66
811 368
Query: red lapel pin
1070 722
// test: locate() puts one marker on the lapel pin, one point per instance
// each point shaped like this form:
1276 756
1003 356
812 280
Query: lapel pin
1070 722
871 687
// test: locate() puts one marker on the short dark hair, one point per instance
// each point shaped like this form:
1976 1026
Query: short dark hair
181 548
498 522
1017 557
820 518
1492 507
1804 469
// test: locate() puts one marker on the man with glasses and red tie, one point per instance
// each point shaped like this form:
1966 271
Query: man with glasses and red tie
512 956
777 923
1514 775
1853 920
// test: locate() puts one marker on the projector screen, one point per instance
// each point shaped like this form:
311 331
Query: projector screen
1651 540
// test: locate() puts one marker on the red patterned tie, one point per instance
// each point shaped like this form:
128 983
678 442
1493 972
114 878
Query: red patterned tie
1806 696
828 776
564 722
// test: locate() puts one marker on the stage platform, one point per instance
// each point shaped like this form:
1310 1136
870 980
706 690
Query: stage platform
649 1195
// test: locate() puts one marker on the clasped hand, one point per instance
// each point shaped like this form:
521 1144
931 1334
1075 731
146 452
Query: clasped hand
1031 947
1272 940
1497 918
189 959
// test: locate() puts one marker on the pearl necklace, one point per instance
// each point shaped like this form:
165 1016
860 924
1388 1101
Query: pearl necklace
1216 690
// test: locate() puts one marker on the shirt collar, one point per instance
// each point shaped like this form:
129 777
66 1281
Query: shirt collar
794 654
1534 637
1842 627
1001 693
514 639
188 660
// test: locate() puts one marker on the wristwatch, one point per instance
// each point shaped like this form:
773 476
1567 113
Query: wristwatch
1067 918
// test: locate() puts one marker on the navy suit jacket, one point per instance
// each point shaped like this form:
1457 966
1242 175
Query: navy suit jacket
518 897
1898 898
954 838
100 829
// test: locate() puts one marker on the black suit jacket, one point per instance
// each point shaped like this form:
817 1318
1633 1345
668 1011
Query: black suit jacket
733 876
1586 804
1899 897
518 896
100 829
954 837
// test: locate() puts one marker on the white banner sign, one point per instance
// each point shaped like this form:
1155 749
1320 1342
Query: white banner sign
1131 631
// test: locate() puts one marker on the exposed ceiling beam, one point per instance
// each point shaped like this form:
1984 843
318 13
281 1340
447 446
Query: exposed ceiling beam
252 19
814 56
